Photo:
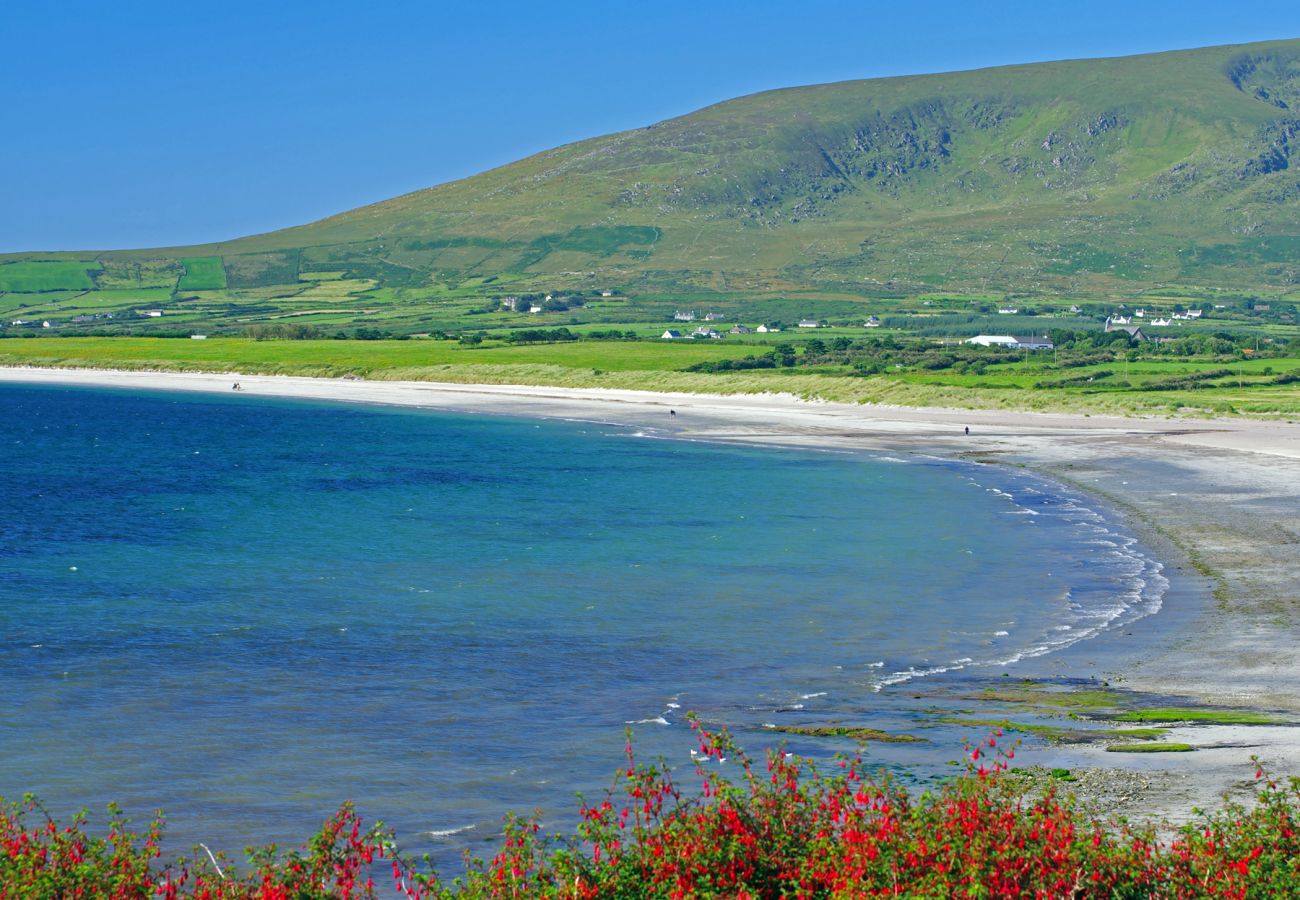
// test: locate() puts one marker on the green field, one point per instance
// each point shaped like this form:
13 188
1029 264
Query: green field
660 366
366 356
47 275
202 273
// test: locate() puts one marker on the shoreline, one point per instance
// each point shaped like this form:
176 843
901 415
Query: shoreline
1218 500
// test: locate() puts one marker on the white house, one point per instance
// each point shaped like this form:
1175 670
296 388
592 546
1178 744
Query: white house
809 323
1140 313
670 334
684 316
767 329
1008 311
1194 313
714 317
741 329
1118 320
534 309
703 332
1011 343
150 313
607 293
992 340
873 322
1160 323
198 337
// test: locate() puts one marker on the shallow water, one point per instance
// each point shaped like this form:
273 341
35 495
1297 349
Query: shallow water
245 611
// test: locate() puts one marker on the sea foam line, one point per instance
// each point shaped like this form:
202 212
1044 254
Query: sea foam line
448 832
1141 594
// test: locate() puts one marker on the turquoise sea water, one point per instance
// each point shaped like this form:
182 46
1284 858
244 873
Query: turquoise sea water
245 611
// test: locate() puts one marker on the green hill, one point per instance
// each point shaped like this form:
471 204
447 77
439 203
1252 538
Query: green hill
1172 172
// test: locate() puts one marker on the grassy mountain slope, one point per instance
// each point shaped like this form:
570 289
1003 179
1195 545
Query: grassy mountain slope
1097 177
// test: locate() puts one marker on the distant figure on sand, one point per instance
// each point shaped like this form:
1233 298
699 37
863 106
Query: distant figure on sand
672 412
236 387
968 429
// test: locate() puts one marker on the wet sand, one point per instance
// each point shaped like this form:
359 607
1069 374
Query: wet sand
1217 500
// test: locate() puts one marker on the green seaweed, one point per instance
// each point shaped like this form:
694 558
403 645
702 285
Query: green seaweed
1153 747
857 733
1030 694
1189 714
1057 734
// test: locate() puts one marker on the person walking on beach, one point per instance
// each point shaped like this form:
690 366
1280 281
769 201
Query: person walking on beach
968 429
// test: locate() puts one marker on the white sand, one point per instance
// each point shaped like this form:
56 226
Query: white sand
779 417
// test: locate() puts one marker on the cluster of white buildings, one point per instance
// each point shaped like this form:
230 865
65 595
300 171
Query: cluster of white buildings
1158 321
519 304
708 333
705 332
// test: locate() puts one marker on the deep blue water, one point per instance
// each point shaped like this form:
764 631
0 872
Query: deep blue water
245 611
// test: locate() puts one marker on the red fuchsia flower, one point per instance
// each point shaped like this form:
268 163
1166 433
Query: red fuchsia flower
797 834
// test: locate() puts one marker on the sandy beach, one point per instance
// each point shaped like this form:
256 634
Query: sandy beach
1217 500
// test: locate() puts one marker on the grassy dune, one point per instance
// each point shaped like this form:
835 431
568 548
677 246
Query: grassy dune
650 366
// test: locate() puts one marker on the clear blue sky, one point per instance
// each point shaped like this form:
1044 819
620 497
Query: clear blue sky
146 123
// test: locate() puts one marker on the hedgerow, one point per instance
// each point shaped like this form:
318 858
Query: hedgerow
782 829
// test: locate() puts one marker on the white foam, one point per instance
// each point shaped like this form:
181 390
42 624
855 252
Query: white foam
448 832
1139 589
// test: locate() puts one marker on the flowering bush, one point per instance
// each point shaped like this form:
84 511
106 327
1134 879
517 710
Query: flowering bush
43 860
782 829
787 830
